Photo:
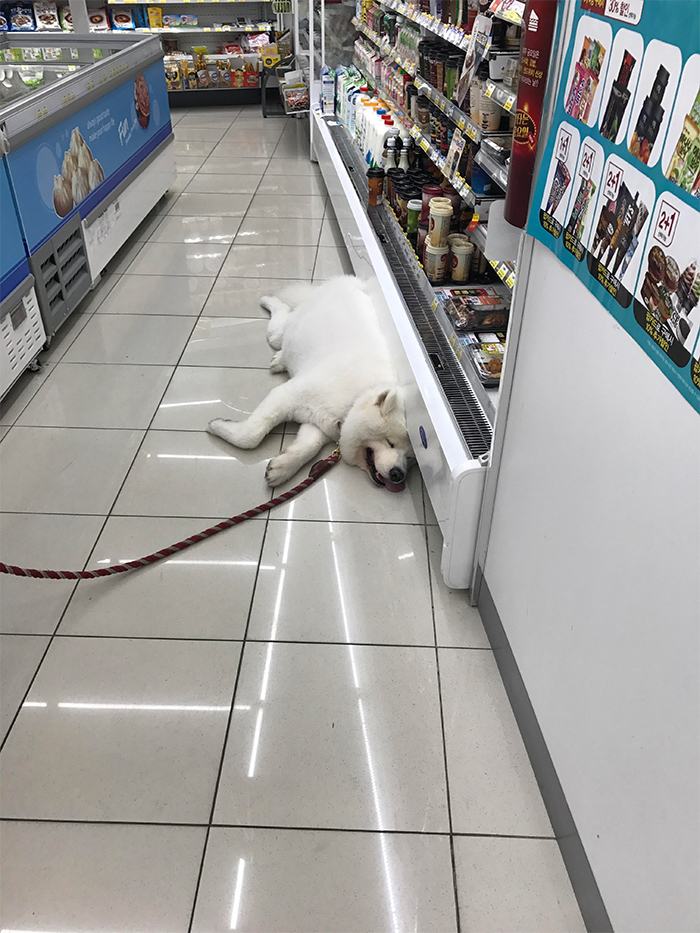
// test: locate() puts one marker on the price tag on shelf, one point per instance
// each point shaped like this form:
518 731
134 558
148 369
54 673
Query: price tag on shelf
509 104
470 130
510 281
472 223
423 144
490 88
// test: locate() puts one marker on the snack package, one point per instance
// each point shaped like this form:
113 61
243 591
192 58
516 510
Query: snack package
21 17
486 355
475 308
98 20
259 40
65 18
46 16
188 19
155 17
171 20
173 78
4 25
122 19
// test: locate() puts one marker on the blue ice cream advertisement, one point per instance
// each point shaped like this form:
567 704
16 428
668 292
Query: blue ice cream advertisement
617 198
78 162
14 267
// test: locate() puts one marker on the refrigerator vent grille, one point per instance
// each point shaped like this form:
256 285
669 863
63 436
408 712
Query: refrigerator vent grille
61 274
415 290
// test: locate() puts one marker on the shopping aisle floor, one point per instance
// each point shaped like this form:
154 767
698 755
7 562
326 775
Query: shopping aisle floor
294 726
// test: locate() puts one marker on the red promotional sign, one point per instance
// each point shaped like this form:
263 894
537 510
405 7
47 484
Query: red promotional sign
538 24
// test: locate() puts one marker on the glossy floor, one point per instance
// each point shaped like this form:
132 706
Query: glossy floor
294 726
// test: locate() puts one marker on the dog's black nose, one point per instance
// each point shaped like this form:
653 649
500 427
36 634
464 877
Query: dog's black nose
396 475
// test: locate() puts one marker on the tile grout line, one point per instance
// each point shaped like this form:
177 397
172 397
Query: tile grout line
275 828
455 886
53 635
252 641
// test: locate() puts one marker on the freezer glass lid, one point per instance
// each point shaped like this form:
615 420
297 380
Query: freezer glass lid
20 79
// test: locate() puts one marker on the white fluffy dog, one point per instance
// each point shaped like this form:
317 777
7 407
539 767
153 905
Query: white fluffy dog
342 387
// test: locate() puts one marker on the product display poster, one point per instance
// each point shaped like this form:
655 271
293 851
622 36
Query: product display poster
13 257
617 198
74 164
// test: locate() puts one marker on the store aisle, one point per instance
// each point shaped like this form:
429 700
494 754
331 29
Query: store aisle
294 726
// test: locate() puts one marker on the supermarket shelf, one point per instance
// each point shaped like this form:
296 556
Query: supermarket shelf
391 104
457 182
495 171
188 30
465 123
178 2
478 237
503 95
504 270
452 34
206 97
384 47
509 10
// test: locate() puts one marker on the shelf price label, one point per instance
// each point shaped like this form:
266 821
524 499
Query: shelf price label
666 224
509 104
510 281
423 144
490 88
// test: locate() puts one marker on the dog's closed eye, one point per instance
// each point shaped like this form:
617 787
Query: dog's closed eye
389 443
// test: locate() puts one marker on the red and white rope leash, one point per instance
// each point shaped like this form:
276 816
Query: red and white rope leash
316 471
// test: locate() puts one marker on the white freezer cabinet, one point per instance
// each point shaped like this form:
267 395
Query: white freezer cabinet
449 417
86 138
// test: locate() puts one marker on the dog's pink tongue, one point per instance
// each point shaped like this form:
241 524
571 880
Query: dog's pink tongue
394 487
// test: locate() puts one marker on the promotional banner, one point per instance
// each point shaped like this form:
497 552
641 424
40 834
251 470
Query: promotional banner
76 163
14 267
618 193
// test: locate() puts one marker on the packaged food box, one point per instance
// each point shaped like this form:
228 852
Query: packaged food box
123 19
98 21
155 17
475 307
188 19
46 16
486 355
171 20
65 18
21 17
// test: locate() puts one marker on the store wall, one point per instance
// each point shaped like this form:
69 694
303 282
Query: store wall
593 563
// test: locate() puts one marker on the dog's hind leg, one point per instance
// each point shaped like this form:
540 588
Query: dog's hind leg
279 312
273 410
307 443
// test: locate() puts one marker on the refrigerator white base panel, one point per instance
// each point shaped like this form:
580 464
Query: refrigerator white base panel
108 232
20 345
453 478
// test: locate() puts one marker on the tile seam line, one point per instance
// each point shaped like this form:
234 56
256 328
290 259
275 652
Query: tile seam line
229 718
453 865
97 538
277 828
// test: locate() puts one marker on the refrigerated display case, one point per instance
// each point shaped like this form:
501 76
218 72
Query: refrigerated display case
453 383
21 327
86 139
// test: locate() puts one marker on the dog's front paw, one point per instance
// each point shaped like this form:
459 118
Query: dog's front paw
266 301
279 470
217 426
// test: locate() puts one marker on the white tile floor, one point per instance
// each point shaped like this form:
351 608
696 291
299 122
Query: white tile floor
293 727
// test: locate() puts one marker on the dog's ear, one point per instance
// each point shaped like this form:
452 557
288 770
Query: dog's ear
386 401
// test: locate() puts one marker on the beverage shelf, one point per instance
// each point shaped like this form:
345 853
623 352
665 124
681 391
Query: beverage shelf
503 95
452 34
495 171
384 47
452 111
189 30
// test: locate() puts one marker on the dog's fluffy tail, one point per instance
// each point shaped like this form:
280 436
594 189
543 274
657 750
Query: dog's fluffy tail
294 295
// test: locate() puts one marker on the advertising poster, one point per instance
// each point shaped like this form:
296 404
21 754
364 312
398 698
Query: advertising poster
618 194
14 267
76 163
